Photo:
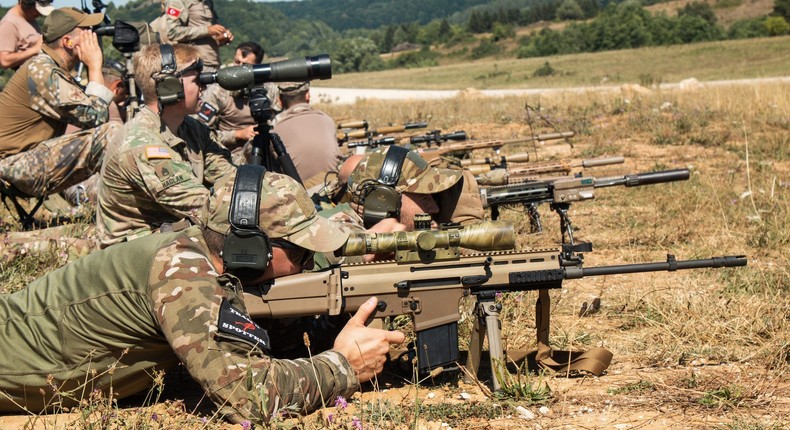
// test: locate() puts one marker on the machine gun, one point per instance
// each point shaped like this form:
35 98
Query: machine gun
437 152
343 137
436 137
561 192
428 278
523 172
252 76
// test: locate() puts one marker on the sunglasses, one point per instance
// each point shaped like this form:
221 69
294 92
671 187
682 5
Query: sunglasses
197 66
306 254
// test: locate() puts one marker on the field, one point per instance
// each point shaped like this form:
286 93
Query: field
692 349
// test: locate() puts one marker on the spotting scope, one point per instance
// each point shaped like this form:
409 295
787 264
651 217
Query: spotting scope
247 75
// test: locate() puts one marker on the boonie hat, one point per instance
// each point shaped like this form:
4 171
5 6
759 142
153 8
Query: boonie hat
62 20
293 88
286 212
416 176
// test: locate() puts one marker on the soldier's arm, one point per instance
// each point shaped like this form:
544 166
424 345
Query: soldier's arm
217 160
206 324
54 95
165 179
461 203
211 110
177 23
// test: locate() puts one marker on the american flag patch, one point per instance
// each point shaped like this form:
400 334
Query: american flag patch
157 152
173 12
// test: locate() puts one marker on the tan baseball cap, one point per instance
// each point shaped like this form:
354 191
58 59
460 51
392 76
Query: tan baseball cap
293 88
44 7
286 212
62 20
416 175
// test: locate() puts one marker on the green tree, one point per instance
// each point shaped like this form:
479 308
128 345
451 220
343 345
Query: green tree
354 55
569 10
503 31
776 26
700 9
782 8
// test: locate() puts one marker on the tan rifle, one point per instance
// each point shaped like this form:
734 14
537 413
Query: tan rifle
345 136
429 277
450 148
516 174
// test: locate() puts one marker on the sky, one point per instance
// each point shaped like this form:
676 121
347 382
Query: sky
78 3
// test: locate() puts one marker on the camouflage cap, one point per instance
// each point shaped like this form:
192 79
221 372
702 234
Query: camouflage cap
61 21
416 175
286 212
293 88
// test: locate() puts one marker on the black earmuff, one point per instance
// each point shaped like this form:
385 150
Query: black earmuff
380 199
28 3
246 246
169 88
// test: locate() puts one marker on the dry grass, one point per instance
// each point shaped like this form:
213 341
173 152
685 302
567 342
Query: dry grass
694 349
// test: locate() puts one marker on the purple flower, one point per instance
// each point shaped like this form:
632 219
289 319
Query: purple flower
246 425
154 417
330 418
204 420
341 402
356 423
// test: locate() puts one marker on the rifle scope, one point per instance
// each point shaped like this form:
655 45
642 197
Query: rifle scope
246 75
484 236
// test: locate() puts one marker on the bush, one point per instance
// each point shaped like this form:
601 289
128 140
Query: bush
776 26
486 48
545 70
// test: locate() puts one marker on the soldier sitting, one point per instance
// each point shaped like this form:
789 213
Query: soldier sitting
124 312
162 165
42 98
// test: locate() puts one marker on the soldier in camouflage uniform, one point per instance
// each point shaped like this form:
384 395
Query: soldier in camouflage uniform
41 99
228 112
162 165
195 22
448 195
121 313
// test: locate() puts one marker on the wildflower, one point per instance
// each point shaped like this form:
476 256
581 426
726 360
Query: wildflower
356 423
204 420
330 418
154 417
246 425
341 402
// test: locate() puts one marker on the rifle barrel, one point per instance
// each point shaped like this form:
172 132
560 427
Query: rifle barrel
670 265
644 178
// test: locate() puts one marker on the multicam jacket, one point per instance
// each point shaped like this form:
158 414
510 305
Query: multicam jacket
151 176
114 317
41 99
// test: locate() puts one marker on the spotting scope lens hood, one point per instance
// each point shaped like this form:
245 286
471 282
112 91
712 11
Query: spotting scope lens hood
247 75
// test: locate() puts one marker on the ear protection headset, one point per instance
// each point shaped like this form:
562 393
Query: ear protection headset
246 246
28 3
379 198
169 88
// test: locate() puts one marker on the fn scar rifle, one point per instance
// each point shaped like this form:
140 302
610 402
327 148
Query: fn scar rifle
428 277
520 173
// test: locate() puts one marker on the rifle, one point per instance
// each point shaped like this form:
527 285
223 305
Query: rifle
484 164
520 173
362 123
560 192
437 138
343 137
437 152
429 277
373 143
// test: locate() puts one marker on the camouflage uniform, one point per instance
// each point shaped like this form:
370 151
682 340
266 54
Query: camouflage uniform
187 21
168 304
227 111
454 190
151 176
39 101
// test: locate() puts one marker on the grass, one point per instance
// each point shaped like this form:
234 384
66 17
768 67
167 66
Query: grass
734 59
714 344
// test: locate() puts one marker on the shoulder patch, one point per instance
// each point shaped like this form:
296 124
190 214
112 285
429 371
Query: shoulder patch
157 152
173 12
207 112
236 324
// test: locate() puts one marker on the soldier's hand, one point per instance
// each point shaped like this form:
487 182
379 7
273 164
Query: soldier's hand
216 30
387 225
366 348
88 50
245 134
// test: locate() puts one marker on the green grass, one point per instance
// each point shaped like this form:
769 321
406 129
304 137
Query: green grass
737 59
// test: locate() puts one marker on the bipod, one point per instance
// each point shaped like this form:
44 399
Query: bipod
487 324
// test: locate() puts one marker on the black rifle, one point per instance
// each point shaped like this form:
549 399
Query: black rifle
437 137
